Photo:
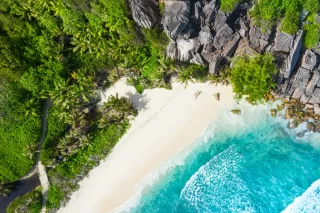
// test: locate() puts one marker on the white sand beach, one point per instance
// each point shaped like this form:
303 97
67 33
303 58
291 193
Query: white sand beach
168 122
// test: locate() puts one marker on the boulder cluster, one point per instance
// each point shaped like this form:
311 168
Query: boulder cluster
201 33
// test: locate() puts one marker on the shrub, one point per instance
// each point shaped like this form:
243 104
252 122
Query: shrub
311 35
228 5
311 5
17 145
28 203
162 7
252 76
290 23
54 196
55 129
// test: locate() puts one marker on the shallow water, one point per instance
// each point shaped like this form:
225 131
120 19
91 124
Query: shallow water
243 163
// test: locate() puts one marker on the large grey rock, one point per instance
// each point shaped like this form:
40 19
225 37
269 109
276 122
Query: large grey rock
297 93
209 11
309 60
145 12
315 98
244 48
197 15
259 39
205 36
301 78
172 51
283 42
243 28
223 36
313 82
214 65
219 21
176 17
186 49
304 99
292 60
231 46
316 109
197 59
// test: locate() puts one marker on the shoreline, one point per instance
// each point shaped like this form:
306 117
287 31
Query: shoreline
167 123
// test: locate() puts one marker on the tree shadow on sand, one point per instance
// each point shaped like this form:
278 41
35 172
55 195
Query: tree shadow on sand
139 101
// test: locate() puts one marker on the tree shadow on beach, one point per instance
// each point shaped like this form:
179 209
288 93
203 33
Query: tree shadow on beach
139 101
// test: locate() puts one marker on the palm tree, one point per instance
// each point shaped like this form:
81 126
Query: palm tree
185 75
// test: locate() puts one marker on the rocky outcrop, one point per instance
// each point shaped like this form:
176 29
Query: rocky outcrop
283 42
244 48
214 65
145 12
205 36
309 60
259 39
223 36
182 49
176 17
293 57
202 34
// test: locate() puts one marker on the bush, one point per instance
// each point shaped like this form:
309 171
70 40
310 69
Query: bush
265 13
54 196
28 203
290 23
311 35
162 7
55 130
17 145
228 5
311 5
252 76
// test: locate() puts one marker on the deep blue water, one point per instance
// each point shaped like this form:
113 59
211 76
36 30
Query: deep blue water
242 163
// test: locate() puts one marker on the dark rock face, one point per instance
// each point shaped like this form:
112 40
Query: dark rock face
309 60
219 21
244 48
202 34
145 12
209 11
283 42
214 65
259 39
205 36
176 17
293 58
223 36
315 98
230 47
197 59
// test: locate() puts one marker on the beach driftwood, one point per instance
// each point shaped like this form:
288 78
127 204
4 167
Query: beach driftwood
217 95
197 94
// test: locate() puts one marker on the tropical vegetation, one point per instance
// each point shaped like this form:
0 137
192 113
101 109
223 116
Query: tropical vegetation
251 77
28 203
266 13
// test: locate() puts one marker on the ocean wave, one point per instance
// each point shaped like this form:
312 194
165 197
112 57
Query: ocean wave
212 188
203 191
308 202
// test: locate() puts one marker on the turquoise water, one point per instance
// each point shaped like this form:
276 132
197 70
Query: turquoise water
246 163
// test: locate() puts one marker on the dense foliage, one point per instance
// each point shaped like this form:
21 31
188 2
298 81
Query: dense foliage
28 203
228 5
311 32
65 50
266 13
19 130
104 134
252 76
